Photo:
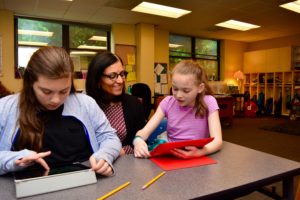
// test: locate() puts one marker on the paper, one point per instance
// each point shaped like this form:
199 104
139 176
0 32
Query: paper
131 76
164 89
158 69
157 88
129 68
130 59
163 78
171 162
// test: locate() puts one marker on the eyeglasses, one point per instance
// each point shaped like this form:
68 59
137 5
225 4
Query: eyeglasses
114 76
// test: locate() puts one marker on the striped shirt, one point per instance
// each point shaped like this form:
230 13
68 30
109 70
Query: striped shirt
115 116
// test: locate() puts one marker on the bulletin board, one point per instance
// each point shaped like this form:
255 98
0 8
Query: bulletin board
161 78
128 55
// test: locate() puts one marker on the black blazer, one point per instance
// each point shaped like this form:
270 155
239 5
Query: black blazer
134 117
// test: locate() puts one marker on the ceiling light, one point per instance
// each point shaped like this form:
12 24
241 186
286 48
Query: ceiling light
156 9
293 6
91 47
98 38
32 43
241 26
173 46
83 53
32 32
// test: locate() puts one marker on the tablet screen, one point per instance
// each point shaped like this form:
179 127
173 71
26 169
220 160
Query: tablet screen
38 171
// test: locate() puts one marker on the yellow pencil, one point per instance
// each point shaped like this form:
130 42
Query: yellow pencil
153 180
114 191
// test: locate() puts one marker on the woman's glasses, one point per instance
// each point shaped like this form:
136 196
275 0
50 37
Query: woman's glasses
114 76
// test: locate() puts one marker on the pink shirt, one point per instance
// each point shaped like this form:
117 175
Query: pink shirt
182 123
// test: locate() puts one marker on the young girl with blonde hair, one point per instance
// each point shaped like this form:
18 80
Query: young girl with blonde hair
192 113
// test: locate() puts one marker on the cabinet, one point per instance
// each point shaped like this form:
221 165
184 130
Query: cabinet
226 108
277 88
296 58
269 60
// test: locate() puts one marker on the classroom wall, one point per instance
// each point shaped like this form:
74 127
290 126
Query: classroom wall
145 54
7 32
232 54
161 49
123 34
293 40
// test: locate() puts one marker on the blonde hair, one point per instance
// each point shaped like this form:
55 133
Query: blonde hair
190 67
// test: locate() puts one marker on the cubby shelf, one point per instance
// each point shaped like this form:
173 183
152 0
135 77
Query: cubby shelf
280 86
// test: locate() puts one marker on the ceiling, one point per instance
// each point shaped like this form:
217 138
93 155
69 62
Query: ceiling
274 21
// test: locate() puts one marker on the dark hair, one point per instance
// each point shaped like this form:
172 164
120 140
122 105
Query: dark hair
186 67
95 70
51 62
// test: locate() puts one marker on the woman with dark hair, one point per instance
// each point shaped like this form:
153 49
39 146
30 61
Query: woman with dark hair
105 82
48 124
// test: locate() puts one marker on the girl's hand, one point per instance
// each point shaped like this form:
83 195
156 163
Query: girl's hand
140 148
101 167
187 152
122 152
34 158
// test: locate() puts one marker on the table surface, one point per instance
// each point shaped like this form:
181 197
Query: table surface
238 169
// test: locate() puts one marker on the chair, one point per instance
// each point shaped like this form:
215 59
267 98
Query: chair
161 128
142 91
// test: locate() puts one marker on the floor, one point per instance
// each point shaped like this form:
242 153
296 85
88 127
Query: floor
246 132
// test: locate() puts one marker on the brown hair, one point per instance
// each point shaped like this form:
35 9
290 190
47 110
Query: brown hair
186 67
51 62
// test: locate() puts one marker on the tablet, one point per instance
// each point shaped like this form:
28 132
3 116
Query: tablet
165 148
38 171
36 180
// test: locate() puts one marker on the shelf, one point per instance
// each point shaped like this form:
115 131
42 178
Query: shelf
275 86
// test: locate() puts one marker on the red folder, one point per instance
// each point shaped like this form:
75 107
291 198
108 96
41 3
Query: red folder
171 162
161 155
164 149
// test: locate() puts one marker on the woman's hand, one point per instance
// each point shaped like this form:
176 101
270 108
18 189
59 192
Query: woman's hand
187 152
101 166
34 158
140 148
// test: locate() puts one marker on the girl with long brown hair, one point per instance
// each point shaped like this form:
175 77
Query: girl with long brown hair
49 124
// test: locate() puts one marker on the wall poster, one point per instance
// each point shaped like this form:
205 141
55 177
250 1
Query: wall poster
128 53
161 79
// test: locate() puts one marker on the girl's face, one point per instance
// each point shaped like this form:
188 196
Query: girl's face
52 93
185 88
113 79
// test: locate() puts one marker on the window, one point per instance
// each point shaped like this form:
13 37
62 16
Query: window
82 41
180 46
204 51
